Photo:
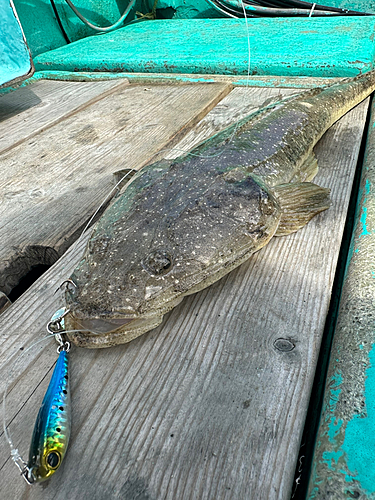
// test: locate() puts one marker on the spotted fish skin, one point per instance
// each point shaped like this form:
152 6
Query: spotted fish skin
52 427
181 225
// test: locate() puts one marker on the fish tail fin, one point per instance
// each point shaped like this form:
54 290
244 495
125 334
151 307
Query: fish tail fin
299 203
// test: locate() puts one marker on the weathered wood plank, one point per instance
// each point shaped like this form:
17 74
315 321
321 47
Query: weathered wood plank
344 454
210 405
37 107
52 183
273 81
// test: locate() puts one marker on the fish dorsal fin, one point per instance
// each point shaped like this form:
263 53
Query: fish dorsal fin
308 169
299 202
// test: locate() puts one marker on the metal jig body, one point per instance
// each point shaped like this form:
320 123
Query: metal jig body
51 433
52 427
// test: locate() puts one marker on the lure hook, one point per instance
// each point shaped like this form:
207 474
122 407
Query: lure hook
68 281
21 464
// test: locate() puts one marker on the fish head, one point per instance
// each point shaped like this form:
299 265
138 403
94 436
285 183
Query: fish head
144 257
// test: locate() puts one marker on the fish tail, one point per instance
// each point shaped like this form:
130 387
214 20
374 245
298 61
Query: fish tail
336 100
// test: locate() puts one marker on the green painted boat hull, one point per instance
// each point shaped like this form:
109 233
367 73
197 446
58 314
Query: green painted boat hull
15 58
292 47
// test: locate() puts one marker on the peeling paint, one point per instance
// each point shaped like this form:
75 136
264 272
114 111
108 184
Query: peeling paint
331 458
363 222
359 443
155 78
363 219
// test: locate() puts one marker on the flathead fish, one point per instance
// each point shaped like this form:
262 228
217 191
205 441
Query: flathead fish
181 225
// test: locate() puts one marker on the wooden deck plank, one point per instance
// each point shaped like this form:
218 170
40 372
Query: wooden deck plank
184 78
52 183
209 405
39 106
344 453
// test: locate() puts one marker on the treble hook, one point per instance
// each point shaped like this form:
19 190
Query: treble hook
63 283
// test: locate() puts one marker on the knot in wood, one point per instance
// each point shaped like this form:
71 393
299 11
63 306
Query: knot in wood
284 345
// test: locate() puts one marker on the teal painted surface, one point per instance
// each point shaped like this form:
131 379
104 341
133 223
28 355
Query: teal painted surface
40 26
343 464
15 59
43 32
289 47
360 5
183 9
252 81
361 429
200 8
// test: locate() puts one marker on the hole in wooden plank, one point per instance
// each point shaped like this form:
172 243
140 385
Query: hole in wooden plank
27 280
23 270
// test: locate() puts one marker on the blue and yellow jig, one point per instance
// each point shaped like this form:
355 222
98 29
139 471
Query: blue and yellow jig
52 427
51 433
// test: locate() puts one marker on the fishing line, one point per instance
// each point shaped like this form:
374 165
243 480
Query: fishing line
26 467
237 125
108 196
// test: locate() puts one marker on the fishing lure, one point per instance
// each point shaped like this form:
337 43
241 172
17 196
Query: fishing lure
52 427
51 433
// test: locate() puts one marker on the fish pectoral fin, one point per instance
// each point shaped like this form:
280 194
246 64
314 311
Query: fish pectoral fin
308 169
299 203
122 177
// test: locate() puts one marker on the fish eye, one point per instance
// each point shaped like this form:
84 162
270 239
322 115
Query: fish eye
158 262
53 460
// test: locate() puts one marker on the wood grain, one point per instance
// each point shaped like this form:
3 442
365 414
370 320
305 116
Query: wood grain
34 108
53 182
205 406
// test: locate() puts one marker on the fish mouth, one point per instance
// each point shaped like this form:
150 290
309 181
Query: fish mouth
99 326
98 332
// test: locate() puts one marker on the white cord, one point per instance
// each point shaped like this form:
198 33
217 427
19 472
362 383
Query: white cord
105 28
